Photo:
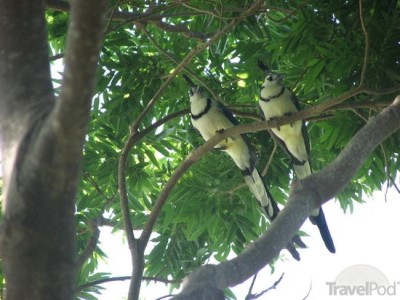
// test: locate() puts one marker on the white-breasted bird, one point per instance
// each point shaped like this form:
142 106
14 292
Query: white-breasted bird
210 117
276 100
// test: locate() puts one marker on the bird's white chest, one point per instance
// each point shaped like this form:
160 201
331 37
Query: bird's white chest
209 123
278 107
197 104
213 121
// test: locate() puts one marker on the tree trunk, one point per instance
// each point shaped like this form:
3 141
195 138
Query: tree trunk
41 150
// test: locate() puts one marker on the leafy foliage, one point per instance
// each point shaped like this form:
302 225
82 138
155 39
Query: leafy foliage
318 45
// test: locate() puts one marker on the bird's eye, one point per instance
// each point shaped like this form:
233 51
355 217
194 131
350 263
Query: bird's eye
191 93
270 78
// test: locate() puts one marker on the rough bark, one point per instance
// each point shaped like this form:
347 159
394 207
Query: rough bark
42 141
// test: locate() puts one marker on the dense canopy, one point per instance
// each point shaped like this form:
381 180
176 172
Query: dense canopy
320 47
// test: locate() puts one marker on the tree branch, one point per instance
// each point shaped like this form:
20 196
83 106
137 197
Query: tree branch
123 278
176 61
327 105
271 157
83 47
38 229
305 196
111 15
182 29
366 51
91 244
251 296
290 14
22 28
308 293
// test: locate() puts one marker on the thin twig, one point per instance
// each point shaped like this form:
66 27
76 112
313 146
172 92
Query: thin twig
234 189
394 184
248 115
359 115
251 286
291 13
124 202
328 105
123 278
90 245
93 224
273 287
366 51
183 30
175 60
271 157
387 171
166 296
309 291
111 15
98 189
141 134
206 12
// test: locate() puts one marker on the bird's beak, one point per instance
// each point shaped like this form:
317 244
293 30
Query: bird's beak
280 77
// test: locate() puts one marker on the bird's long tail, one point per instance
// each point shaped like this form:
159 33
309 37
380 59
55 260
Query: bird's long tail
257 187
302 170
317 217
262 194
319 220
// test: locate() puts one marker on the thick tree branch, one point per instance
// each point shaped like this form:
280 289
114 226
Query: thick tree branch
24 98
305 196
23 28
38 232
83 47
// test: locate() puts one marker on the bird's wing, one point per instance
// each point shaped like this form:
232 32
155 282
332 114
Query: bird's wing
228 114
296 102
280 141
